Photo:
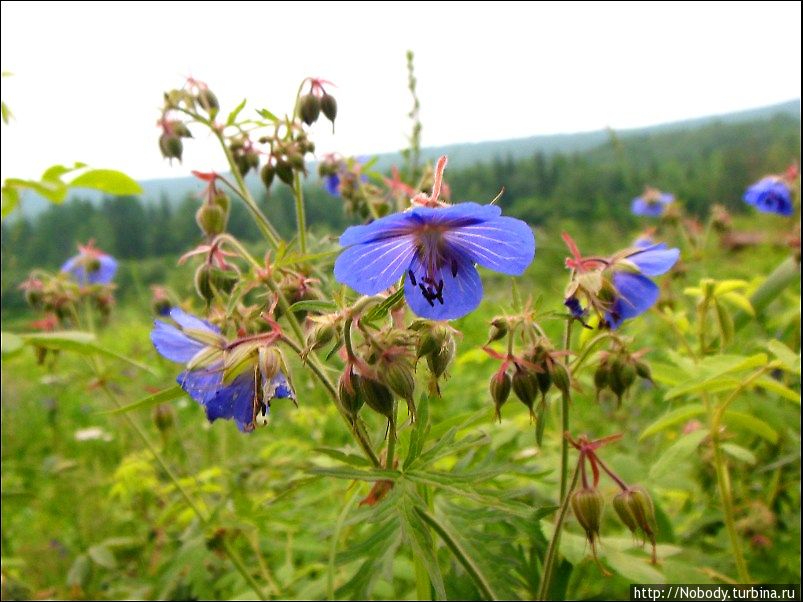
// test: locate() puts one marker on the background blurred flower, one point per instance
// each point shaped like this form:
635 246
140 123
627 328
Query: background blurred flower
90 266
651 203
770 195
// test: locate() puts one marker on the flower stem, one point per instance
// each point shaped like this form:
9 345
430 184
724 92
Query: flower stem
391 451
566 399
554 544
301 218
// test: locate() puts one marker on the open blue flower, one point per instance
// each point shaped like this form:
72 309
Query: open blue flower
770 195
90 266
243 397
651 203
436 249
635 292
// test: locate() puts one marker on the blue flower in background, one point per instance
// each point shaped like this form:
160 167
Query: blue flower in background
635 292
435 247
770 195
90 266
651 203
332 184
244 397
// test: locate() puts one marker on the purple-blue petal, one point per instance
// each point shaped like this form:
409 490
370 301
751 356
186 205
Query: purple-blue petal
186 320
643 208
174 344
502 244
770 195
371 268
280 388
635 295
234 401
655 260
396 224
202 385
104 274
574 306
332 184
460 293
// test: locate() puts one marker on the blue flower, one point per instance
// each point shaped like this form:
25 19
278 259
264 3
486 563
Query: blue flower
435 246
651 203
90 266
635 292
436 249
770 195
243 396
332 184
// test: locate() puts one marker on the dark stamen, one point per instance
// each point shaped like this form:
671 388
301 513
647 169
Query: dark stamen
454 268
412 277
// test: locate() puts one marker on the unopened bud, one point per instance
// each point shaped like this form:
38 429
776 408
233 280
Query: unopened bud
211 219
208 101
179 128
285 171
622 376
439 360
309 108
587 505
349 391
498 330
270 362
643 370
320 335
525 386
377 396
560 376
601 377
267 173
500 390
329 106
171 146
635 509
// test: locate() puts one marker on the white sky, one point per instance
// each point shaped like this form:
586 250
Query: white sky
88 77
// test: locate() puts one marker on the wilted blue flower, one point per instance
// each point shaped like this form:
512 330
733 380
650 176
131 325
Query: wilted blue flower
651 203
619 287
770 195
90 266
228 385
435 248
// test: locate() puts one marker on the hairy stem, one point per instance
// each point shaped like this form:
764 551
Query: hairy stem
301 218
566 399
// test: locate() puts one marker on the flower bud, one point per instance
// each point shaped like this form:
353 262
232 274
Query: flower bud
643 370
320 334
163 417
560 376
349 391
622 376
329 106
208 101
601 377
270 361
377 396
525 386
203 282
180 129
285 171
211 219
497 330
399 377
500 390
267 173
635 509
171 146
439 360
309 108
587 505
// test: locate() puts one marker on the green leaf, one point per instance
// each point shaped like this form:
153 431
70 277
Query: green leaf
633 568
726 286
770 384
314 305
5 112
102 556
381 310
54 172
740 302
725 323
11 198
740 453
750 423
55 192
265 114
418 534
166 395
233 115
356 475
788 358
707 373
676 453
350 459
108 181
78 342
79 572
419 434
10 344
671 418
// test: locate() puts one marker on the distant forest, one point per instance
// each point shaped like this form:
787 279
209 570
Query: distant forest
701 166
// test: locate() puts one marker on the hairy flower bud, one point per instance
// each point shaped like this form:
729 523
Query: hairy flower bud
208 101
622 376
497 330
500 390
171 146
377 396
587 505
309 108
439 360
350 392
329 106
211 219
560 376
267 173
525 386
635 509
285 171
320 334
601 377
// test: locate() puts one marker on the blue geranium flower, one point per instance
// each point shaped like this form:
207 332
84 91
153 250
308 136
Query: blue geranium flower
635 292
435 247
770 195
332 184
243 396
651 203
90 266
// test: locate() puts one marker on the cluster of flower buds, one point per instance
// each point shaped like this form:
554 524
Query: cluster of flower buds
316 101
286 156
437 345
170 143
531 373
216 275
195 96
618 369
632 504
721 219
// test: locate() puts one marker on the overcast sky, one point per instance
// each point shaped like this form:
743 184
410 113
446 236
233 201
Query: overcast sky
88 77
